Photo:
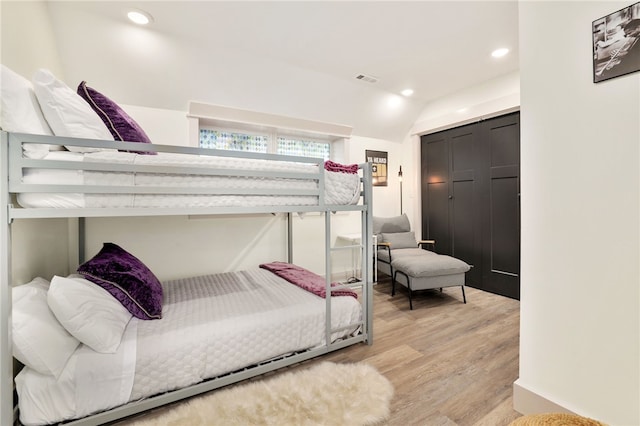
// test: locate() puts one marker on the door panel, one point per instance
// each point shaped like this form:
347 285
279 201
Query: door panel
501 230
505 146
464 229
462 223
465 221
463 151
437 160
435 218
438 216
505 248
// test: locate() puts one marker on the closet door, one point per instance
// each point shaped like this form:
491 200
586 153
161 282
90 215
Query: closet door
464 199
471 200
501 227
435 191
450 196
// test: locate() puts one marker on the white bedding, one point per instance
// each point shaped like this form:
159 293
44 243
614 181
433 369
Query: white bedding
211 325
340 188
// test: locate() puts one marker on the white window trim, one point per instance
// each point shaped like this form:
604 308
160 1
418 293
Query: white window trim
218 117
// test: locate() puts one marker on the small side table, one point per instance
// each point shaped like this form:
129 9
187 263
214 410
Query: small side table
356 239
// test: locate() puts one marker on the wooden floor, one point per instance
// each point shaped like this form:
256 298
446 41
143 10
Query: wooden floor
450 363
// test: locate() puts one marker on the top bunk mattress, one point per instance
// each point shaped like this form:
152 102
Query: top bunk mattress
184 180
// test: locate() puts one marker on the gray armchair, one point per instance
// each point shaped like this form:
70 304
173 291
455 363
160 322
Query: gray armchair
396 240
406 261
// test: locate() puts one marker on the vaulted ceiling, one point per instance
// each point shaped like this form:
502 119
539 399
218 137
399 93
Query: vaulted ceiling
292 57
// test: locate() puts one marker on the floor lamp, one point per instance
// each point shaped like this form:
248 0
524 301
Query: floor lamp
400 179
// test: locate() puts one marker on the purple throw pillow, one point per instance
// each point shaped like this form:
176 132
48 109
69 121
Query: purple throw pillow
127 279
120 124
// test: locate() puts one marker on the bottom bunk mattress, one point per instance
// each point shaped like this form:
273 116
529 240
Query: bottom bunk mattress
212 325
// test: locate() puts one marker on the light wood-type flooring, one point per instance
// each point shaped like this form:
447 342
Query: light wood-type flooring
450 363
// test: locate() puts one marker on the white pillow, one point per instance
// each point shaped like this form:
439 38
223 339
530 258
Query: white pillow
66 112
39 341
20 111
89 312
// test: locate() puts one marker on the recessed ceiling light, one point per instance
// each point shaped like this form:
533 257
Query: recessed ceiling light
140 17
499 53
394 101
461 110
407 92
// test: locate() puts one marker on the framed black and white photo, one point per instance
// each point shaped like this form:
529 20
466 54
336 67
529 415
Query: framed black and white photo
378 167
616 43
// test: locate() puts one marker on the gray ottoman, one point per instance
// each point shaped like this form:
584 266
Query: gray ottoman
428 272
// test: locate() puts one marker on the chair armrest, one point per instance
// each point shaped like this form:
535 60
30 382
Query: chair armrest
384 246
431 243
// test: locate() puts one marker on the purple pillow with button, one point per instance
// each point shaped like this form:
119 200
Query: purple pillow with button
127 279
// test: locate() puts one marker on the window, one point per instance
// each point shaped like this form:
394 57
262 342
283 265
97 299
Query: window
221 127
233 141
245 141
303 148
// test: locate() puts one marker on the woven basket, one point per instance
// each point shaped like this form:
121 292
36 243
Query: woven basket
555 419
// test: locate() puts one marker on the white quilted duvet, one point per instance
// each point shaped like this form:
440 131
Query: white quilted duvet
211 325
340 188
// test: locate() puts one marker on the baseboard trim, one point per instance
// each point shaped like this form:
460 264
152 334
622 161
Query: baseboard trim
526 401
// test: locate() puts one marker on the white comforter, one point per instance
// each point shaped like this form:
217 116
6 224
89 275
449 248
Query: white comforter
211 325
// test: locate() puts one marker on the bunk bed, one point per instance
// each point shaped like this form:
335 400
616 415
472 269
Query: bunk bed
120 180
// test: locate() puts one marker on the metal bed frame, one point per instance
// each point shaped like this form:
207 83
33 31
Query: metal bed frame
11 170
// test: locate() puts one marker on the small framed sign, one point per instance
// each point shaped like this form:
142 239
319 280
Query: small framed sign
379 166
616 43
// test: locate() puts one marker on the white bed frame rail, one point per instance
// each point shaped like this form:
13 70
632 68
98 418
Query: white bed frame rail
11 170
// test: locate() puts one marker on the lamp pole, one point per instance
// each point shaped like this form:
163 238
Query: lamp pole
400 179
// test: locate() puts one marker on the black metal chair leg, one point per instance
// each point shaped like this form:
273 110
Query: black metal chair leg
393 280
464 297
408 286
393 283
410 300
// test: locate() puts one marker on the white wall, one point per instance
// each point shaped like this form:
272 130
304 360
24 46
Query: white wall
28 44
580 331
39 247
163 126
386 199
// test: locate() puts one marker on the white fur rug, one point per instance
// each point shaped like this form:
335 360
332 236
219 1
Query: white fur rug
324 394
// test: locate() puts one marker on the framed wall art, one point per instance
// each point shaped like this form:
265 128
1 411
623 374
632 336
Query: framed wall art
616 43
379 166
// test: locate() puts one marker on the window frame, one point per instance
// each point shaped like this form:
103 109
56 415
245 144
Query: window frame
273 126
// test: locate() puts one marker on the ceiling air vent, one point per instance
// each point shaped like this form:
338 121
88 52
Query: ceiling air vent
367 78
